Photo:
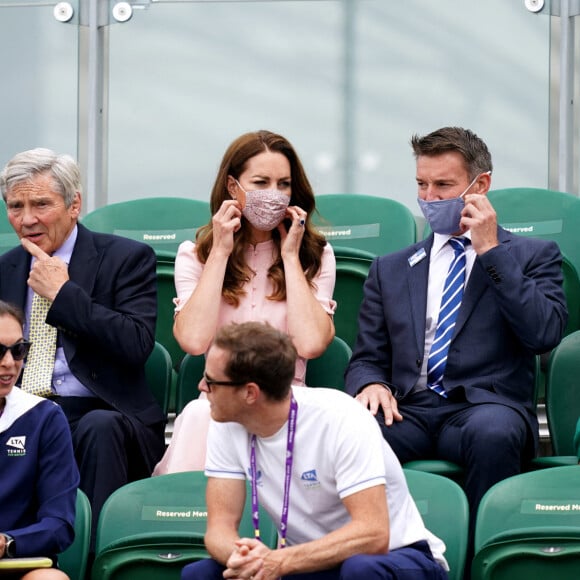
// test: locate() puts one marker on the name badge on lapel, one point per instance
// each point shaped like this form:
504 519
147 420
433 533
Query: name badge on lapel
417 257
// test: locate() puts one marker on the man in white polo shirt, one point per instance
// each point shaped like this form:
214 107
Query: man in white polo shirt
317 463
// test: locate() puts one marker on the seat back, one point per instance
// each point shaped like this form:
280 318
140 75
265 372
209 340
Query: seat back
571 286
529 559
328 369
8 237
325 371
577 440
188 377
173 504
351 274
562 397
73 561
541 213
158 372
528 505
377 225
152 527
161 222
443 506
527 527
165 311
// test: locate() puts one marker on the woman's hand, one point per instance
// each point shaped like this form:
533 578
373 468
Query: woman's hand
226 222
291 240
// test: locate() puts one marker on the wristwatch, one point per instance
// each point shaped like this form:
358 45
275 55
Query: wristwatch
9 547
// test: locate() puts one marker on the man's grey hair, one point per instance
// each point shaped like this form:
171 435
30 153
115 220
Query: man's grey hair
25 166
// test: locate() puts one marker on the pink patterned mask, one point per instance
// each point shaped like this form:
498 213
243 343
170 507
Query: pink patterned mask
265 208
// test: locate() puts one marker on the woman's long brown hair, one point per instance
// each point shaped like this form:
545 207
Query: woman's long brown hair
238 272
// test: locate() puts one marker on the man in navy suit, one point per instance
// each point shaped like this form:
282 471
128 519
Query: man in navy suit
513 308
103 296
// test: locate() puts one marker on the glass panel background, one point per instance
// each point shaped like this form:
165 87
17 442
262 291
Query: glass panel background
336 77
39 82
188 78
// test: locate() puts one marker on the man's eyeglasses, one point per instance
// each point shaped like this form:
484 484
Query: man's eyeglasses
19 350
210 382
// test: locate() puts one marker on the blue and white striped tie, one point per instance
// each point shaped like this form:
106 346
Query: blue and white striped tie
450 303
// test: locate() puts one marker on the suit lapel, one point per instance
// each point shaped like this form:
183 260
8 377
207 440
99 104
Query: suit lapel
417 281
14 276
476 286
84 260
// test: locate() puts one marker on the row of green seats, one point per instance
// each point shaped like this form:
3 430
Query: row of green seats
151 528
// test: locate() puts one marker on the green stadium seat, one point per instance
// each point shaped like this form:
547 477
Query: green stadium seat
159 375
8 237
373 224
165 312
149 529
328 369
527 527
73 561
562 402
161 222
445 512
541 213
188 377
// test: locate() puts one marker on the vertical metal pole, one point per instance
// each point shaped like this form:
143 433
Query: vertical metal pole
566 120
92 102
349 145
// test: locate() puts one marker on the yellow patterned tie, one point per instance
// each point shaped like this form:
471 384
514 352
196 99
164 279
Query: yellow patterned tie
37 377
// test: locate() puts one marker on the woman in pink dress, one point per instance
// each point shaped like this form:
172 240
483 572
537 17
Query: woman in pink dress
260 259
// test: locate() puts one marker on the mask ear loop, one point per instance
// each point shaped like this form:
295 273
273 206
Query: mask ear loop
474 180
241 196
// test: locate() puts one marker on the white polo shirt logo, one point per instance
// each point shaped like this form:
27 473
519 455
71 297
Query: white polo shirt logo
16 446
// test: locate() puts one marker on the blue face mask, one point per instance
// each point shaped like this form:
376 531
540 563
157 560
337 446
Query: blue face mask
444 215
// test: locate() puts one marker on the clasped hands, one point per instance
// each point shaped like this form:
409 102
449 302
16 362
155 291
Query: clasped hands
251 560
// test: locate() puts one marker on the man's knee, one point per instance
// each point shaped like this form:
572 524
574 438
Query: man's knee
408 439
100 428
497 428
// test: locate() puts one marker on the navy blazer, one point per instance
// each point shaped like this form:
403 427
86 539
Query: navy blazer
106 315
513 308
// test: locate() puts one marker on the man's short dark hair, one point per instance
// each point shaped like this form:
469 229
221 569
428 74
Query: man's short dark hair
260 354
463 141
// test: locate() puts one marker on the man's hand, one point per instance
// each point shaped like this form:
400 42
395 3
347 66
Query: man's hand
48 275
376 395
247 560
479 216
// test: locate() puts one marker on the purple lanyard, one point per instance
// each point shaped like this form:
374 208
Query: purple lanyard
292 416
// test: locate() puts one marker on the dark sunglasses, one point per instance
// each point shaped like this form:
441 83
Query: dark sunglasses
210 382
19 350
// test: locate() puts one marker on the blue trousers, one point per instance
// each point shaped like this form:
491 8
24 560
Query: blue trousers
413 562
490 441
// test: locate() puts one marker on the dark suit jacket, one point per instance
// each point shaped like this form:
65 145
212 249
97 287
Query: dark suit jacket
513 308
105 314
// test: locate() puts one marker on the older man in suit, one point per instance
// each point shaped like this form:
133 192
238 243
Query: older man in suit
454 378
101 296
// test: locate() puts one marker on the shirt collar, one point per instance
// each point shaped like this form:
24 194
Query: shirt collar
66 250
440 240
